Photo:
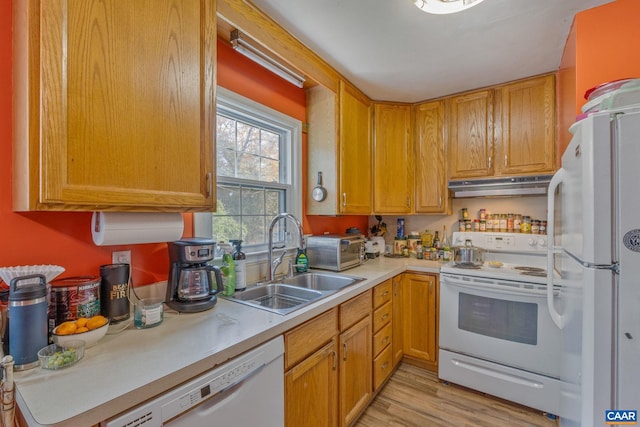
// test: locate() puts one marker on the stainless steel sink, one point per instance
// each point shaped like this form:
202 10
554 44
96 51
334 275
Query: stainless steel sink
277 297
322 281
294 292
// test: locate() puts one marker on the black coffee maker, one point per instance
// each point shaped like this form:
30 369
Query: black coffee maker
191 287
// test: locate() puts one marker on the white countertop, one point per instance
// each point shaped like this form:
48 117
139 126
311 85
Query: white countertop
125 369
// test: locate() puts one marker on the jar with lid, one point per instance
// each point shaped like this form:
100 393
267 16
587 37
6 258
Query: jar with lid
465 213
399 243
543 226
482 214
535 226
510 223
412 243
525 226
468 225
489 222
461 226
502 223
517 223
483 225
476 225
419 253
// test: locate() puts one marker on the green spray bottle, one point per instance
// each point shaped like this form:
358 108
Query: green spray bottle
228 270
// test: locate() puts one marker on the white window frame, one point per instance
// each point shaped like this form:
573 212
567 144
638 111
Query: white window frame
291 154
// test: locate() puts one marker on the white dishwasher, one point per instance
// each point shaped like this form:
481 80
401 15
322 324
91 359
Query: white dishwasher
246 391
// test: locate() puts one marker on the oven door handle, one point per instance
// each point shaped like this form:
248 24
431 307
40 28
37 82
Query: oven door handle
557 179
482 285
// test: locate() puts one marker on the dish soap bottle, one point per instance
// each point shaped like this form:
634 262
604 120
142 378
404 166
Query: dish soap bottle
240 261
228 270
302 261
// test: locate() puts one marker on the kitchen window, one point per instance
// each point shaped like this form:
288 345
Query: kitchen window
258 163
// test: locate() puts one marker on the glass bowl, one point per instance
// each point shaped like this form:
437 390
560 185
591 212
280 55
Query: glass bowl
57 356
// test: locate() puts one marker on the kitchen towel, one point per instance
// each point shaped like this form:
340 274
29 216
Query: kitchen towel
125 228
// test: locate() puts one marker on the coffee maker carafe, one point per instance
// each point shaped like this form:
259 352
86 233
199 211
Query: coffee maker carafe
190 287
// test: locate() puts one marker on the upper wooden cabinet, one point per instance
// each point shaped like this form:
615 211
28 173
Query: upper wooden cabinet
503 131
393 159
471 134
431 193
340 146
114 105
525 127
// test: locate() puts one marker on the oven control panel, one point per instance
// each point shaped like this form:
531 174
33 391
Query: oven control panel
508 242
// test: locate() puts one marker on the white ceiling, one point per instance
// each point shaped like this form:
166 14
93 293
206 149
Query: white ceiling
393 51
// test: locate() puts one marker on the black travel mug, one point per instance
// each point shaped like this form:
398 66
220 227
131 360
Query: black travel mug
114 292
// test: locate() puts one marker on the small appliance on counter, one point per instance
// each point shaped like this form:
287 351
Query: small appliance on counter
374 247
335 252
191 287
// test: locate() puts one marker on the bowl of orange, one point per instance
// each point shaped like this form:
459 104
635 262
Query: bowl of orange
90 330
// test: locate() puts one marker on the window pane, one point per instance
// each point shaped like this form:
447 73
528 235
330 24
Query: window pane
248 139
228 200
252 201
226 227
273 204
257 234
270 170
249 167
270 145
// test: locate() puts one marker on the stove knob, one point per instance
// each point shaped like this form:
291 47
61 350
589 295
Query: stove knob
542 242
532 242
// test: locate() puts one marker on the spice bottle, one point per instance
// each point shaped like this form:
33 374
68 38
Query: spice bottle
240 261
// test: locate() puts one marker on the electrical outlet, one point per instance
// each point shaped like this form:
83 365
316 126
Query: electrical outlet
121 257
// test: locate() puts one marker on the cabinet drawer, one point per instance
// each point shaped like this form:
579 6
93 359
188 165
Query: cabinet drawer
382 293
382 316
382 367
354 310
382 339
308 337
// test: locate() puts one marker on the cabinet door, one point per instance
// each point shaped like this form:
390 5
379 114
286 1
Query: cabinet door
398 322
355 370
393 159
431 193
420 301
525 127
311 390
471 135
355 151
116 105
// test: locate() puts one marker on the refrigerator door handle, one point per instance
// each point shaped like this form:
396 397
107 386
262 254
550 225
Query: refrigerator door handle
557 179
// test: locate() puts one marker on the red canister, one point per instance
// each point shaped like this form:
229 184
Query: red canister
73 297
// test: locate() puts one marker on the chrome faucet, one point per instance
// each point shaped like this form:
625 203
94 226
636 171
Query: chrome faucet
271 264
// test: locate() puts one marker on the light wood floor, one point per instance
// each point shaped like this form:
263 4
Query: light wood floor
415 397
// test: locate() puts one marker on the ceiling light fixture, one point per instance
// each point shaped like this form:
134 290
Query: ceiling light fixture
445 6
242 46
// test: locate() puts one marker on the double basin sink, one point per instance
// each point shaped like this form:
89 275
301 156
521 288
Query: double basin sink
293 293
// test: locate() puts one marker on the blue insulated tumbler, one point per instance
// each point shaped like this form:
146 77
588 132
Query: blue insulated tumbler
28 328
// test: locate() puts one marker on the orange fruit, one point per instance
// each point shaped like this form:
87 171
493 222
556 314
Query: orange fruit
81 329
66 328
81 322
96 321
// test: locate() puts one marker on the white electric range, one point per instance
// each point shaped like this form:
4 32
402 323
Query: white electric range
496 334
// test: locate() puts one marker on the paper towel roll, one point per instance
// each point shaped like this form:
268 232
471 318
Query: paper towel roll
124 228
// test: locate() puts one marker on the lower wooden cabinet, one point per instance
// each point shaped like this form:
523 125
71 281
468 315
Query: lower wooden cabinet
398 322
355 370
420 311
311 389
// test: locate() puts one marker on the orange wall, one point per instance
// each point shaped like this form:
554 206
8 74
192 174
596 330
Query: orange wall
64 238
601 47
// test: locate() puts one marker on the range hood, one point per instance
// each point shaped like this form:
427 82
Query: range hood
498 187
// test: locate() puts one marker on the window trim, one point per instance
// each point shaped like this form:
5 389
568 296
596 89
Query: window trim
226 99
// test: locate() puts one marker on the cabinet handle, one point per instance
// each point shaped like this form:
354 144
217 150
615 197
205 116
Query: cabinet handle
505 160
440 201
384 366
209 184
386 316
335 360
344 351
385 340
344 199
489 163
408 202
385 293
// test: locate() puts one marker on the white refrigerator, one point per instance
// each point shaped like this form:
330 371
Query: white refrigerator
594 250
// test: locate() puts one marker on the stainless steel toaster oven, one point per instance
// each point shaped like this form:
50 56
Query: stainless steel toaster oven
335 252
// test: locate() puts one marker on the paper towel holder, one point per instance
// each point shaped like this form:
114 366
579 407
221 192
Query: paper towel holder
122 228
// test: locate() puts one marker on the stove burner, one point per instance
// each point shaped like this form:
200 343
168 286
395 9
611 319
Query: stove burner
468 266
542 273
531 269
